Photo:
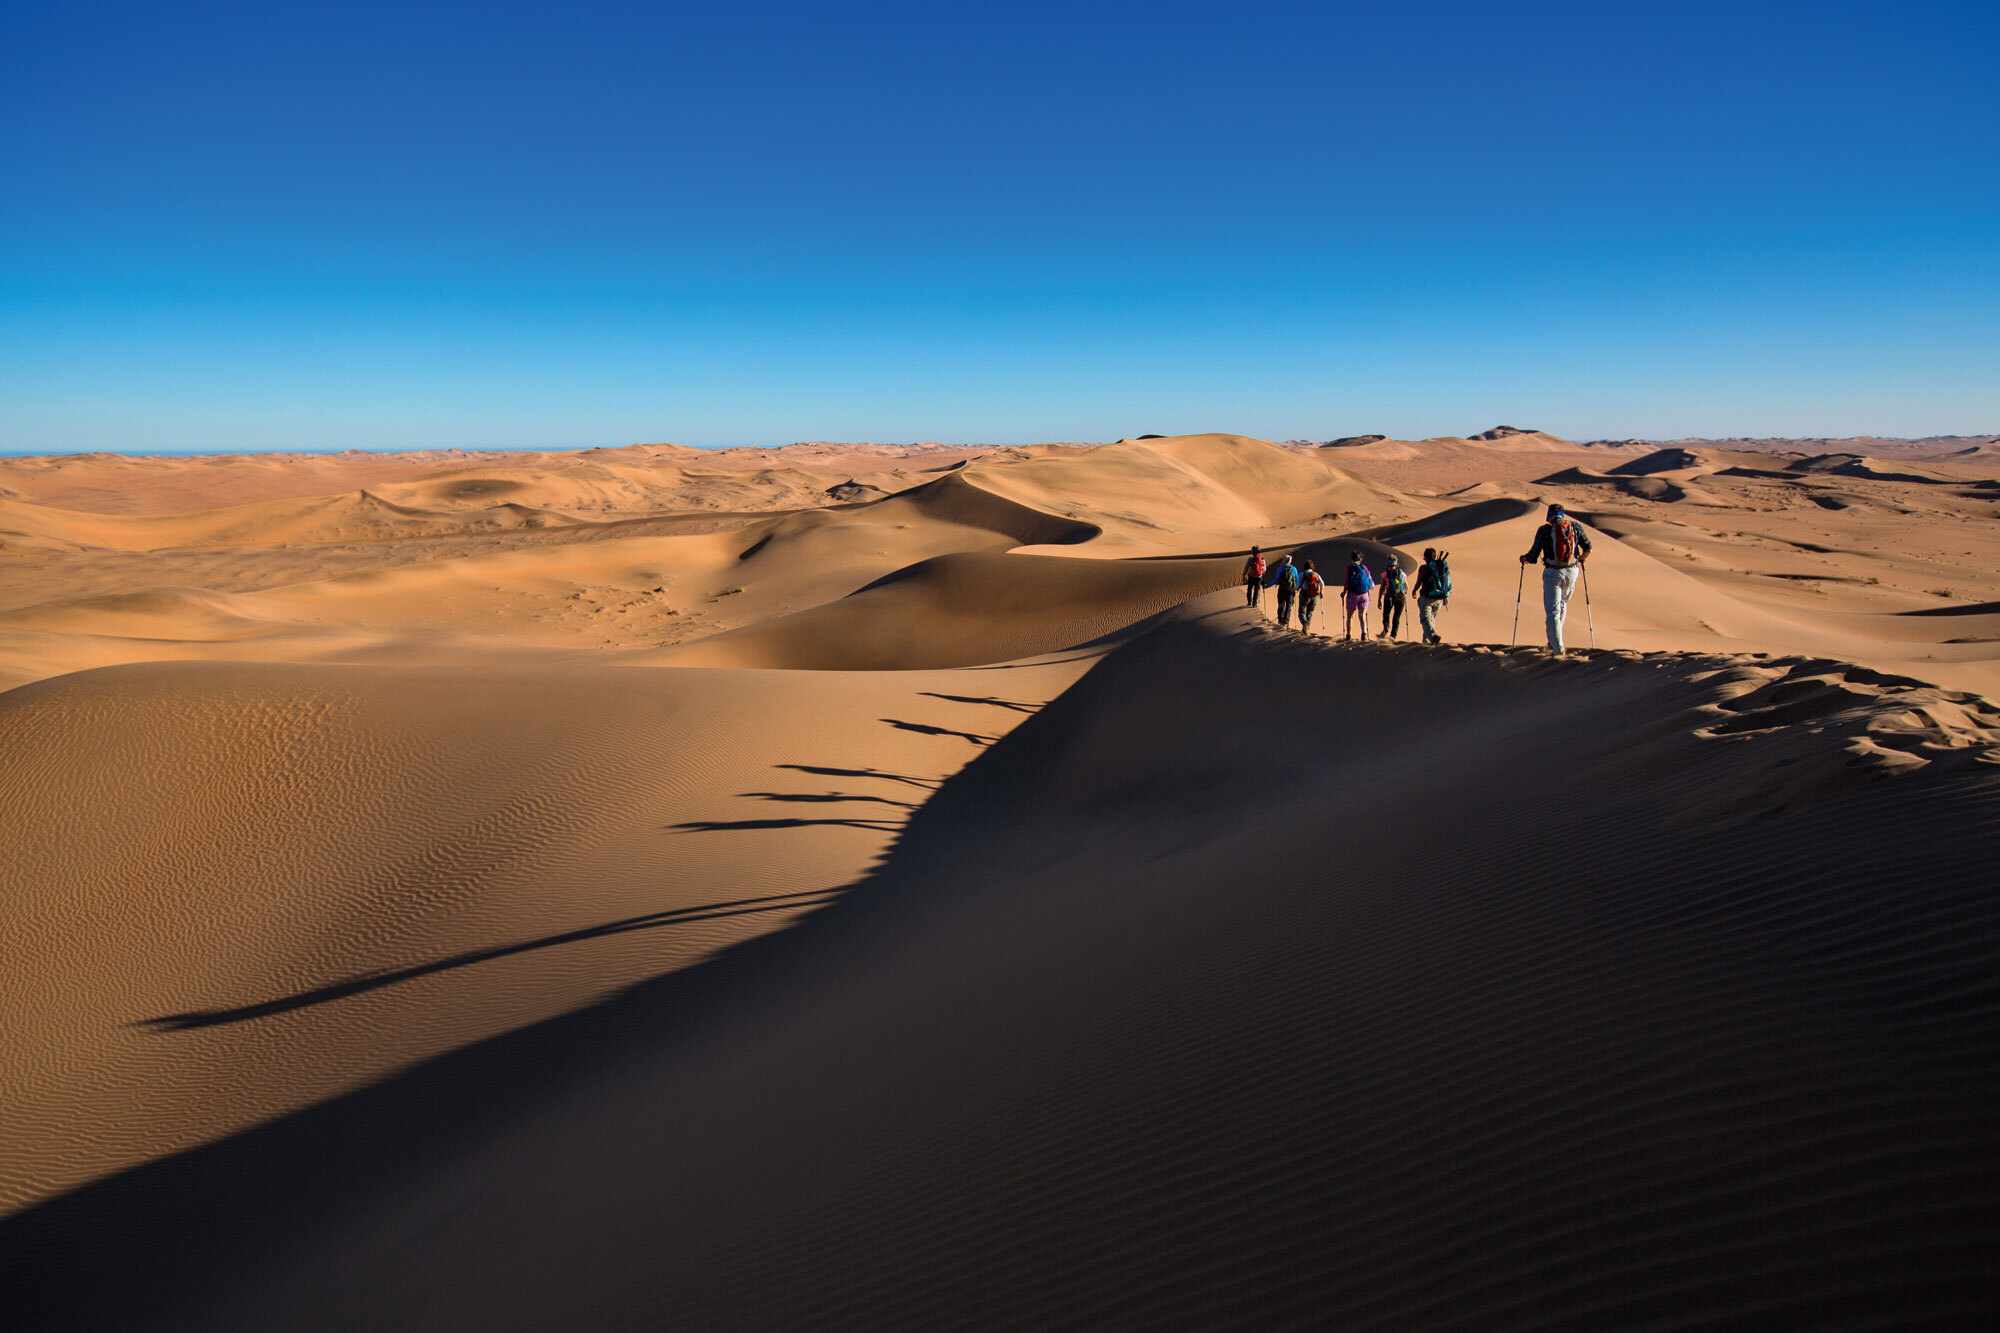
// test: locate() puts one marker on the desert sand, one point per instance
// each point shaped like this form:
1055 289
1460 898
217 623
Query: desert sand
872 885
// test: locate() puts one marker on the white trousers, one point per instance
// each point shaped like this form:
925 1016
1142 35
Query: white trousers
1557 587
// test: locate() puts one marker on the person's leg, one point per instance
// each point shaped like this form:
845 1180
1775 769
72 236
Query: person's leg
1306 615
1427 617
1557 586
1552 607
1363 599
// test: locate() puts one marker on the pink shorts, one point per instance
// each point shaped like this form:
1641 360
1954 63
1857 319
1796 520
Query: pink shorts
1356 601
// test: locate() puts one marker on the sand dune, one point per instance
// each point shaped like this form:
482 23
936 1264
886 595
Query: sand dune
1234 1032
261 851
903 886
957 610
1191 492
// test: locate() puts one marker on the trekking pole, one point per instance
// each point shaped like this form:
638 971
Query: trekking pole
1584 570
1514 634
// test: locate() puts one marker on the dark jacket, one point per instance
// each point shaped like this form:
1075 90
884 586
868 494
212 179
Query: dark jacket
1427 580
1544 547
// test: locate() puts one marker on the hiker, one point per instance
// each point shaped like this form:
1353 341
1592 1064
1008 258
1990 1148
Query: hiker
1562 546
1395 591
1433 592
1284 576
1253 579
1359 584
1311 585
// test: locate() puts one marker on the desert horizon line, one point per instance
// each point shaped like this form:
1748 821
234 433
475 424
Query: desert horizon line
1355 436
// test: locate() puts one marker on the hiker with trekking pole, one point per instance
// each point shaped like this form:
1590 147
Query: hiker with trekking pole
1395 592
1253 579
1433 592
1562 546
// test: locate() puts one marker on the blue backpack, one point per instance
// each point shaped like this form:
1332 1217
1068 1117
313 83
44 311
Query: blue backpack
1392 580
1359 580
1440 579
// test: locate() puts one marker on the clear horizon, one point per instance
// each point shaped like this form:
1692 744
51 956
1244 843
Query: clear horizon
943 444
231 228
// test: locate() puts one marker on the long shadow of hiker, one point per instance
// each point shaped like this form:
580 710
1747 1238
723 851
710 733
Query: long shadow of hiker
818 771
926 729
208 1018
1012 704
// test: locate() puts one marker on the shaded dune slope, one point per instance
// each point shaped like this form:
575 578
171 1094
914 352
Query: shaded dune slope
953 499
1522 994
962 609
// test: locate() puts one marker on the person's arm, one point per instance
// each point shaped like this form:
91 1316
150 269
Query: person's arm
1582 543
1541 545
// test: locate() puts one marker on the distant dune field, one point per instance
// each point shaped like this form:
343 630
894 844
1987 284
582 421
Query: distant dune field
905 886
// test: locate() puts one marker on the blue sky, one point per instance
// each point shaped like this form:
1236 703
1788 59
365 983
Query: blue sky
361 225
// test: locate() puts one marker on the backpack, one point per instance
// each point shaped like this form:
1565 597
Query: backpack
1359 580
1562 541
1254 569
1288 577
1392 580
1440 581
1313 585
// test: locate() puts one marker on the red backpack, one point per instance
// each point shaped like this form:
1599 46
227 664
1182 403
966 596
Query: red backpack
1562 541
1311 588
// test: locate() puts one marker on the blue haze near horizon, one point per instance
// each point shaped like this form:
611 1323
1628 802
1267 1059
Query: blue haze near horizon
310 226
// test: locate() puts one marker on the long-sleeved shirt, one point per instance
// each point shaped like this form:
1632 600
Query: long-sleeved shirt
1544 548
1427 581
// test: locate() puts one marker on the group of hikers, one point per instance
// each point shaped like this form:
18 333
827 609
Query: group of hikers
1561 544
1304 585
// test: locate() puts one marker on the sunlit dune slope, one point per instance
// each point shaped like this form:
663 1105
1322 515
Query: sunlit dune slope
1186 492
1253 982
233 890
633 478
612 586
360 516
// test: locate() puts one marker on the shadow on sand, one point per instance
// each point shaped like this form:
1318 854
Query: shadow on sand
160 1243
